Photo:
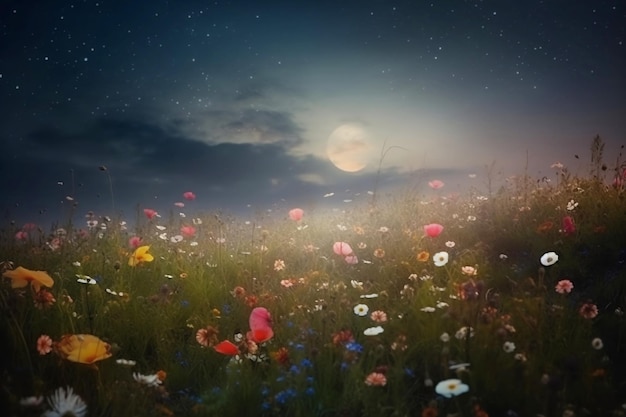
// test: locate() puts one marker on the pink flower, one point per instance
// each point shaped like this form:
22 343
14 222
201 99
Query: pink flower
379 316
376 379
287 283
21 235
564 286
189 196
568 225
150 214
351 259
134 242
29 226
188 231
436 184
588 310
179 204
433 229
296 214
342 248
44 344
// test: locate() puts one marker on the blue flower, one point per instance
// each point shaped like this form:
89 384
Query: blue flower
354 347
305 363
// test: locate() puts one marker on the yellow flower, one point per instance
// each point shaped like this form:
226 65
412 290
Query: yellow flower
423 256
82 348
22 277
140 255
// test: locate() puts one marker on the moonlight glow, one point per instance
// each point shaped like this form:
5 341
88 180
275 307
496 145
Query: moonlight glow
349 147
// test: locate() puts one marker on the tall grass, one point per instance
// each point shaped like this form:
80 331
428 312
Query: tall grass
529 351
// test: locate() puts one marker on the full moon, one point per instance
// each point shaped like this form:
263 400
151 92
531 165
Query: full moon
348 147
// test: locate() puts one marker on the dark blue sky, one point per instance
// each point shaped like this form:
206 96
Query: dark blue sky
237 100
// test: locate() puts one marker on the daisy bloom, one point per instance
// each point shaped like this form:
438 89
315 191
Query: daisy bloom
361 310
44 344
508 347
451 388
564 286
64 402
376 379
597 343
440 258
287 283
279 265
549 258
149 380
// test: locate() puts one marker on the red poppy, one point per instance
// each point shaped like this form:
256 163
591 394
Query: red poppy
189 196
433 229
226 347
260 335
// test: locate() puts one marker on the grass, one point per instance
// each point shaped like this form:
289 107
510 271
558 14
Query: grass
531 350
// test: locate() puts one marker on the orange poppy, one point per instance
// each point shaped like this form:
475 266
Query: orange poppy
82 348
423 256
22 277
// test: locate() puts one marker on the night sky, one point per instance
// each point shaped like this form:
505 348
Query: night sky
236 100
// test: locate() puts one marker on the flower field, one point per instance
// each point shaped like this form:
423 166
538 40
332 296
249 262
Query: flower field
505 302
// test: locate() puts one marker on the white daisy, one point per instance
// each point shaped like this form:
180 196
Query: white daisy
149 380
65 403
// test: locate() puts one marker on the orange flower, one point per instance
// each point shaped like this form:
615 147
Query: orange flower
423 256
22 277
82 348
140 255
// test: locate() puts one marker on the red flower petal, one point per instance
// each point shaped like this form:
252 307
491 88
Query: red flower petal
226 347
261 335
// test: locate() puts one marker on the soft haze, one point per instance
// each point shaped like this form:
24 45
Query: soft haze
236 100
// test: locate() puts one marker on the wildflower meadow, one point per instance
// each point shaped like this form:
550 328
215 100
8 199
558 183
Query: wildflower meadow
492 302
